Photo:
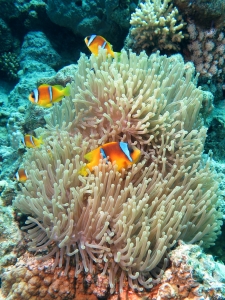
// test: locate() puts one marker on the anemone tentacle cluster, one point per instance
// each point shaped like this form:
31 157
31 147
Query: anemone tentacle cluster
123 222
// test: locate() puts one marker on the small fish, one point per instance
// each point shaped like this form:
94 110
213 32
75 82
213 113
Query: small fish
46 94
21 175
122 153
94 41
31 142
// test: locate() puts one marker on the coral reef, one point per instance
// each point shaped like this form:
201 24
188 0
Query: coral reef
37 60
204 13
83 17
107 18
207 49
9 64
156 25
36 47
30 279
215 140
127 221
10 235
6 39
192 275
119 11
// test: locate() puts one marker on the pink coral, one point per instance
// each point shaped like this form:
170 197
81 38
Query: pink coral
206 47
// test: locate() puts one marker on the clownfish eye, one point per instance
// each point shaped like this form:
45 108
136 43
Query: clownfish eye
32 95
131 150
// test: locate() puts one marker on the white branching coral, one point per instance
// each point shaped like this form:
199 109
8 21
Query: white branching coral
156 25
123 223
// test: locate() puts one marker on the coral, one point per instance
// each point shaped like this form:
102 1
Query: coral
214 11
10 235
155 25
6 39
191 275
9 65
107 18
36 47
30 279
207 48
83 17
215 140
119 11
125 222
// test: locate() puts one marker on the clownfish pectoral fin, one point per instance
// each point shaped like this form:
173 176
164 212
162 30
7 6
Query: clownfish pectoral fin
83 171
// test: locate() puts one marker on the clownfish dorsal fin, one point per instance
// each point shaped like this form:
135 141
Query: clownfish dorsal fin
59 87
91 155
43 85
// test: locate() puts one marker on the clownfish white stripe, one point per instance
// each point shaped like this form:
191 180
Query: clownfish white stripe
104 45
23 140
31 140
93 36
50 93
17 176
36 95
125 149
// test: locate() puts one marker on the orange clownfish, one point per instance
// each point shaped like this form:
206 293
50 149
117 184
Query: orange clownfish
120 152
46 94
21 175
31 142
94 41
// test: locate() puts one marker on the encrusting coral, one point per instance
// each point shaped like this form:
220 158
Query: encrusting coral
155 25
123 223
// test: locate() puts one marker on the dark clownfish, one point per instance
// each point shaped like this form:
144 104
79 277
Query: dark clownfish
46 94
120 152
93 42
31 142
21 175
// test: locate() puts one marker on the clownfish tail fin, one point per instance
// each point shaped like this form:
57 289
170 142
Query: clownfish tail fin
66 91
117 55
41 140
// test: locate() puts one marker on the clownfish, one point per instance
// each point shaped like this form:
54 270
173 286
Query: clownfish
94 41
46 94
31 142
21 175
120 152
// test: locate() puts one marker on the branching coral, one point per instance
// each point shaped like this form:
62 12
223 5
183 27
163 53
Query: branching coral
155 25
123 222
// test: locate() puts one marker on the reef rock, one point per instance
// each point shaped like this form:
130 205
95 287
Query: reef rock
193 275
37 47
83 17
205 13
